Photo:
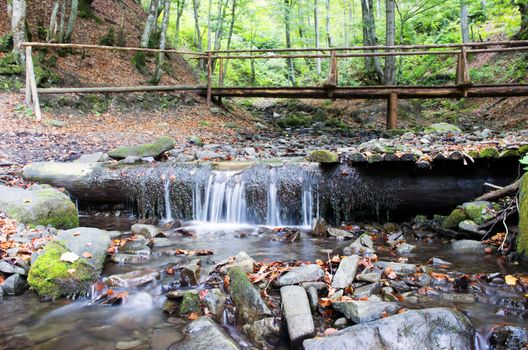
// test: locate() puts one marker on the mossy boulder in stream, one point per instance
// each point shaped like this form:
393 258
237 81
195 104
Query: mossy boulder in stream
323 156
522 238
40 205
53 277
155 149
456 217
442 128
246 297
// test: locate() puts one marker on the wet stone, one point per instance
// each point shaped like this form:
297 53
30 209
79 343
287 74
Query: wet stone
372 277
458 298
398 268
202 334
128 345
265 333
509 338
139 246
468 246
346 272
405 248
132 279
297 313
8 268
361 311
14 285
215 301
367 290
147 231
303 273
129 258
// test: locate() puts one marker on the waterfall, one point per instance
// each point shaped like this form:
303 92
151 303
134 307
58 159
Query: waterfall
167 200
273 212
307 200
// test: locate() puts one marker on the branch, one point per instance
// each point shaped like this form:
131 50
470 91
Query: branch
500 192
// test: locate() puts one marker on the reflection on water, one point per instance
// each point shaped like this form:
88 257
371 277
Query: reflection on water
25 322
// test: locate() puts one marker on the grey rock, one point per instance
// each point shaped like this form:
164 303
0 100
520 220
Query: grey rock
242 260
129 258
303 273
147 231
439 262
346 272
372 277
470 226
245 296
362 245
215 300
468 246
458 298
398 268
367 290
154 149
318 227
164 336
205 334
8 268
361 311
341 323
265 333
128 345
163 242
83 240
93 158
405 248
132 279
335 232
209 155
437 328
313 297
509 338
190 273
14 285
297 313
139 246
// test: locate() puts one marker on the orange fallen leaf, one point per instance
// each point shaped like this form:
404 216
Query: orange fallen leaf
87 255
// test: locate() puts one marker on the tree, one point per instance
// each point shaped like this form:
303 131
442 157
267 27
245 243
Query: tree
372 64
316 28
522 34
390 32
149 24
464 21
52 31
71 20
163 37
18 28
180 6
328 34
287 29
197 34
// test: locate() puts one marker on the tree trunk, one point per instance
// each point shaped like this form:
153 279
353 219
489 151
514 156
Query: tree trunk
180 5
522 34
328 34
52 32
18 28
390 61
230 36
287 24
151 18
163 37
197 34
62 20
345 24
464 21
209 25
316 29
71 20
372 64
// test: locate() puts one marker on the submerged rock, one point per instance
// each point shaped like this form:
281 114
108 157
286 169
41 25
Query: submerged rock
361 311
147 231
205 334
437 328
132 279
468 246
509 338
40 205
398 268
265 333
250 305
297 313
303 273
154 149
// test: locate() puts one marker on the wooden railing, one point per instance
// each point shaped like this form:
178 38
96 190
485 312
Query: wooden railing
330 88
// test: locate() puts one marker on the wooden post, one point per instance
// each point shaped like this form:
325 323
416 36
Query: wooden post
33 84
221 77
28 82
462 76
392 111
331 82
209 77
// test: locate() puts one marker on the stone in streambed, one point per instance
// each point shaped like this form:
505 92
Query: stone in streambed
154 149
265 333
132 279
138 246
8 268
242 260
250 305
40 205
147 231
509 338
335 232
346 272
367 290
297 313
205 334
215 301
442 128
436 328
468 246
14 285
479 212
303 273
372 277
323 156
398 268
454 219
361 311
190 304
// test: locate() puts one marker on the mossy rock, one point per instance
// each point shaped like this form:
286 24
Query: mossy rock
154 149
52 278
509 153
479 212
190 304
39 206
246 297
442 128
454 219
323 156
522 238
489 152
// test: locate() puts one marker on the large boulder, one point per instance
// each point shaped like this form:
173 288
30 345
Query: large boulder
40 205
437 328
155 149
70 263
250 305
442 128
205 334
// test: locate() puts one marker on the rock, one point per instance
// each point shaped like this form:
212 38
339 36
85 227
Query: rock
335 232
297 313
509 338
164 336
458 298
132 279
372 277
468 246
341 323
346 272
128 345
196 140
190 273
442 128
303 273
454 219
129 258
52 278
246 297
10 269
405 248
40 205
147 231
361 311
437 262
205 334
154 149
362 245
215 301
479 212
138 246
14 285
190 304
398 268
242 260
319 227
322 156
180 293
367 290
163 242
209 155
264 333
57 123
250 151
471 227
93 158
436 328
313 297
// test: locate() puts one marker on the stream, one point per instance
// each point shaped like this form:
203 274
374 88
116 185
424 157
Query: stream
29 323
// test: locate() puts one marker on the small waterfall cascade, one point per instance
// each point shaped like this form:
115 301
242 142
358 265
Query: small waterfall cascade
273 214
307 200
223 200
167 197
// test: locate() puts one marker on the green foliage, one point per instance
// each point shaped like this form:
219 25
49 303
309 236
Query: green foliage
6 43
9 65
85 11
109 38
524 161
139 61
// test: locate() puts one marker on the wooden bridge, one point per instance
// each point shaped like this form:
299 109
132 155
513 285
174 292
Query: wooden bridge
331 89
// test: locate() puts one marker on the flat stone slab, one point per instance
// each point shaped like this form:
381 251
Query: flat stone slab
205 334
398 268
303 273
297 313
361 311
346 272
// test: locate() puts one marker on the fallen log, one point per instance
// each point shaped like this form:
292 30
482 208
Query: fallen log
501 192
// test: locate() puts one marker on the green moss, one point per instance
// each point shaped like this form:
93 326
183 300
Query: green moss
85 11
478 211
51 278
190 304
161 145
139 61
323 156
455 218
109 38
238 282
489 152
523 149
295 121
442 128
522 238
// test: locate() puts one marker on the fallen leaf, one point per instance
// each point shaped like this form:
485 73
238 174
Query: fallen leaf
87 255
70 257
329 331
510 280
71 271
193 316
